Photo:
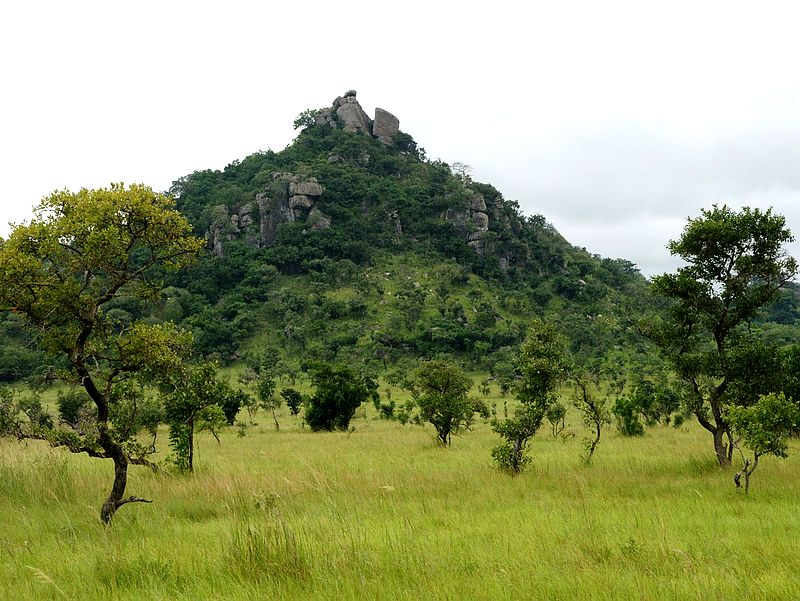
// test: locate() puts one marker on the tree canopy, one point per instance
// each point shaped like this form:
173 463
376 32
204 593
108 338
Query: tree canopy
735 265
62 273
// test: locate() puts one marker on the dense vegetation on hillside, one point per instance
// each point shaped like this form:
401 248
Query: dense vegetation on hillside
391 279
371 289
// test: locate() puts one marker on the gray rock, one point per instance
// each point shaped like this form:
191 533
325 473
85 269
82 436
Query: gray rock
350 93
318 220
300 201
309 187
457 216
481 221
385 126
477 203
353 118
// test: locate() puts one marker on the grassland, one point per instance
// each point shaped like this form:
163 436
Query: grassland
383 513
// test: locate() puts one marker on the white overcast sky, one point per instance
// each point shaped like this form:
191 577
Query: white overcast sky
615 120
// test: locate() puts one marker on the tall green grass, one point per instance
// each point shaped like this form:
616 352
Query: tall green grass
384 513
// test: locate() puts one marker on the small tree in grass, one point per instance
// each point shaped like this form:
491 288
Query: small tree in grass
294 400
541 366
338 392
763 429
195 402
592 406
265 388
441 390
556 413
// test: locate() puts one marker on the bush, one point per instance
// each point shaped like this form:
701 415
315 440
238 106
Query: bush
294 400
338 392
628 413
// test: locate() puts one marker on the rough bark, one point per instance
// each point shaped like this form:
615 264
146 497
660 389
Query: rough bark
720 448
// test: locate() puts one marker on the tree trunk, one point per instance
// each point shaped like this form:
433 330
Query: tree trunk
277 425
720 448
114 500
718 429
516 456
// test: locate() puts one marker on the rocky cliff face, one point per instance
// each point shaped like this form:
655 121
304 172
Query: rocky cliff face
467 213
288 198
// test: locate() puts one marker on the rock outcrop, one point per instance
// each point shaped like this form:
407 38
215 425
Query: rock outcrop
471 220
385 126
347 113
291 198
288 198
351 115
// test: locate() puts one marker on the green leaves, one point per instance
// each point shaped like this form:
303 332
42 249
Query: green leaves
542 364
766 426
338 392
440 389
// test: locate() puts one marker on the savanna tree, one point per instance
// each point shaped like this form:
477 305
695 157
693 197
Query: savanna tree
441 391
265 390
338 392
541 366
195 401
735 265
62 271
763 429
591 403
293 399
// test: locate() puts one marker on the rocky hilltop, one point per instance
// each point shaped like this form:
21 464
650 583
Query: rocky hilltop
347 113
294 198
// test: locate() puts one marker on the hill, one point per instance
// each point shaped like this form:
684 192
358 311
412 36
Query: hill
351 245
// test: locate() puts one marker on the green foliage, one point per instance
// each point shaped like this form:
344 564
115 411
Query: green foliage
541 366
232 403
195 401
305 119
338 392
628 413
293 399
764 428
74 406
441 389
62 272
555 414
735 266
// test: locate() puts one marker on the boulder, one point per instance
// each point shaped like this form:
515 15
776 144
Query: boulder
300 201
385 126
477 203
456 216
306 188
481 221
246 215
352 116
